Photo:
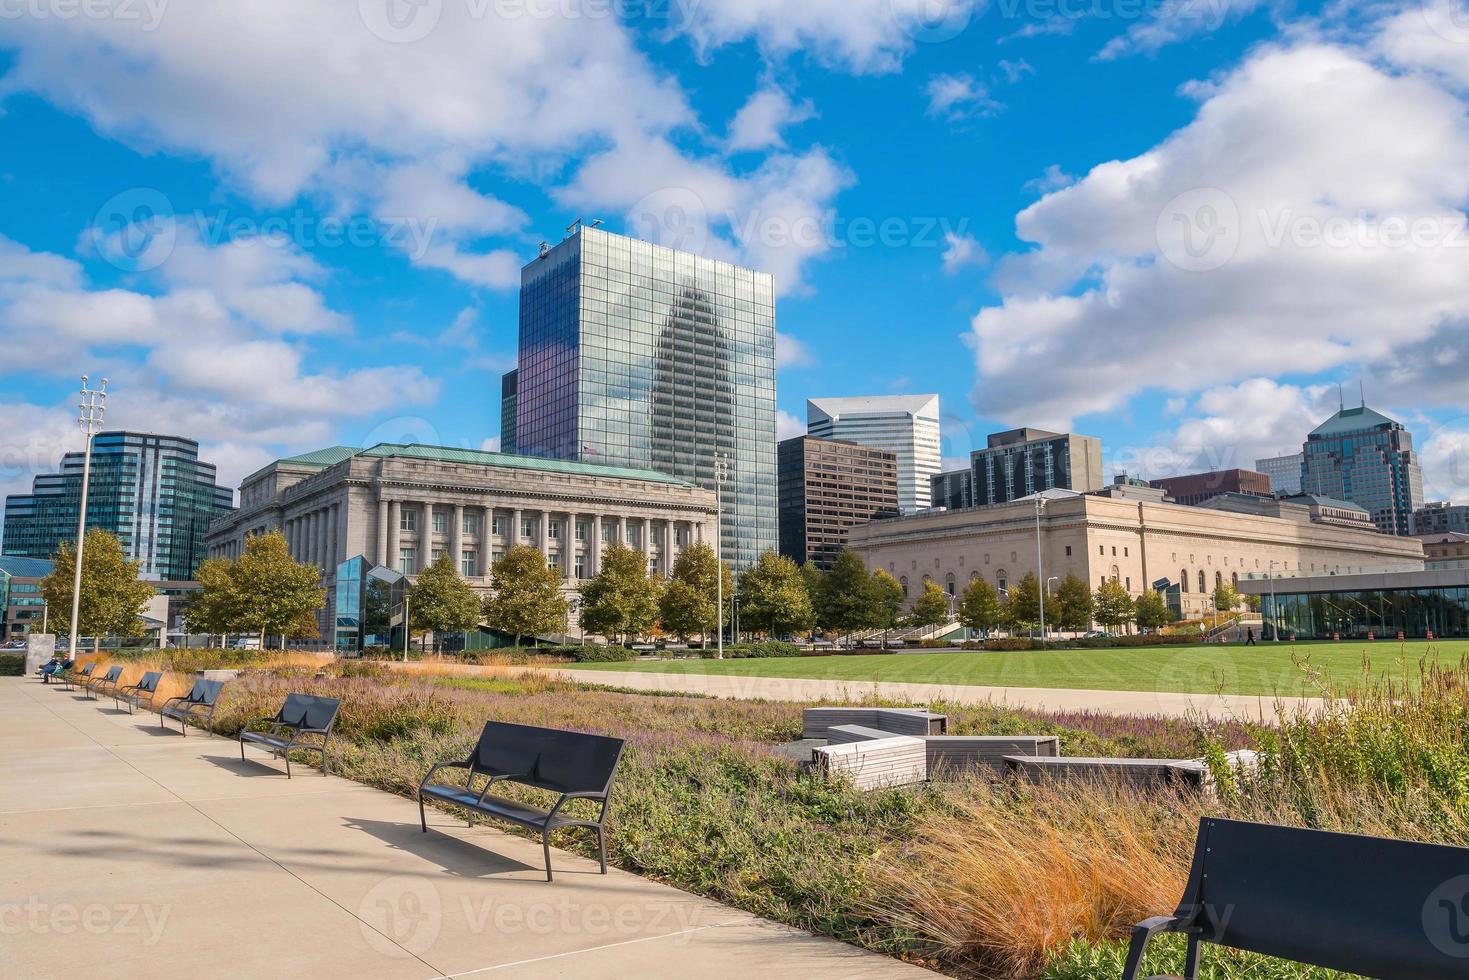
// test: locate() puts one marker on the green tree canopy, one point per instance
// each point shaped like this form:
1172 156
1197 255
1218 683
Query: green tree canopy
774 596
981 608
1226 597
216 607
688 604
622 599
888 592
931 608
527 598
1025 602
1151 611
815 582
1073 607
112 595
1115 607
442 601
849 598
275 593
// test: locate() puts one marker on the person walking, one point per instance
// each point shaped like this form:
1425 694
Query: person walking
1250 637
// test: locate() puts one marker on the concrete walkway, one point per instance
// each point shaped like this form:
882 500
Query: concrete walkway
127 852
1218 707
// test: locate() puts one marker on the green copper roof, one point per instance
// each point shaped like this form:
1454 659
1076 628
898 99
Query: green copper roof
323 457
1352 420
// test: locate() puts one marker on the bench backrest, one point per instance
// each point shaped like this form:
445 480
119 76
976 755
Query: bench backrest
205 692
1362 905
556 760
113 673
309 711
87 670
149 683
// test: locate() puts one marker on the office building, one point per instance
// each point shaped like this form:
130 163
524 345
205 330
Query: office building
953 490
1196 488
905 425
1371 605
401 507
641 356
1446 549
20 596
508 442
1441 518
826 487
1021 462
1284 472
1130 534
150 491
1367 458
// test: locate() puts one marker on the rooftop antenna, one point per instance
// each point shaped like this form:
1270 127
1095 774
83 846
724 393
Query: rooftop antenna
596 223
545 249
1362 386
573 228
1341 398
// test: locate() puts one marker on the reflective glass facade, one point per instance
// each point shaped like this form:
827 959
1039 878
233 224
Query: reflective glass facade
638 355
151 491
1367 458
1444 611
367 601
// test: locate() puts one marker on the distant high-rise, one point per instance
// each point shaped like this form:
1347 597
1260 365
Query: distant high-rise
151 491
1365 457
1195 488
1021 462
905 425
507 412
953 490
638 355
826 487
1284 472
1441 518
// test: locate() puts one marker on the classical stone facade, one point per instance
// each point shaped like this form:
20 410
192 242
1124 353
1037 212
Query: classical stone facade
1132 536
402 506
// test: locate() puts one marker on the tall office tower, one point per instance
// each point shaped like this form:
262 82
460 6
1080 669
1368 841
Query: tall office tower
507 412
1021 462
1441 517
640 355
150 491
953 490
1284 472
1367 458
905 425
826 487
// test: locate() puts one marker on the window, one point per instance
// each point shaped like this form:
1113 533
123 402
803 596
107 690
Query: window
527 527
440 522
471 525
553 530
496 556
652 566
408 520
469 564
581 531
1183 580
1129 583
1203 587
581 567
1124 552
1114 551
408 561
680 536
607 530
949 584
1101 549
436 554
1068 551
902 581
497 526
553 561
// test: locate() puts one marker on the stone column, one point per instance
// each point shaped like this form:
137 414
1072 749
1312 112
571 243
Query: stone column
512 533
568 547
544 533
645 541
594 551
487 540
381 557
395 520
456 539
622 530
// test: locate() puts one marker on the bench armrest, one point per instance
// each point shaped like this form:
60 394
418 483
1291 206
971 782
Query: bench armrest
466 764
181 697
582 795
256 721
1142 934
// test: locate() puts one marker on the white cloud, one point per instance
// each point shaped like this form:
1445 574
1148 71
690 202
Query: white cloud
791 352
955 97
787 426
1053 179
1261 237
1015 70
492 444
961 251
759 123
1177 20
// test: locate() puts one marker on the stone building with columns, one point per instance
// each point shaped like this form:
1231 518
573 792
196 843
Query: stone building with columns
1134 535
403 505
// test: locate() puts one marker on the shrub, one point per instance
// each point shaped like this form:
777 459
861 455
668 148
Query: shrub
12 664
594 654
754 651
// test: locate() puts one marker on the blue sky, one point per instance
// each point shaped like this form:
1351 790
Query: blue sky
1174 224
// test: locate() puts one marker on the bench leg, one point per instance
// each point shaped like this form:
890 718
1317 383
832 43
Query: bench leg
602 847
1191 960
546 848
287 757
422 816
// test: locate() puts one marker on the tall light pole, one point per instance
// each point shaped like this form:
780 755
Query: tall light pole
1274 612
1040 506
93 411
721 467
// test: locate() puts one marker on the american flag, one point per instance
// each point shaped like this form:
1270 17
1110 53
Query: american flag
589 451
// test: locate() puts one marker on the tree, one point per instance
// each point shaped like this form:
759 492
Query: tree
689 603
527 597
112 595
275 594
774 597
215 608
980 607
1114 605
932 607
442 601
849 599
621 600
1151 611
889 596
1252 602
815 580
1025 602
1073 605
1225 597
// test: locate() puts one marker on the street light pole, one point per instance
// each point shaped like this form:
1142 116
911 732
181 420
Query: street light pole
93 408
721 464
1040 506
1274 612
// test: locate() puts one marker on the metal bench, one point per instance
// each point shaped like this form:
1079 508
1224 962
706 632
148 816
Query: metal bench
1360 905
571 764
200 702
142 692
73 677
302 714
110 679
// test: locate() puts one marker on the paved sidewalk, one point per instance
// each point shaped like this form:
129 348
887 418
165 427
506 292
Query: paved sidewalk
127 852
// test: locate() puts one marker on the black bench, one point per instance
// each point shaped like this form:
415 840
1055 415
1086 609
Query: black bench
1363 905
302 714
142 692
573 765
200 702
73 677
110 679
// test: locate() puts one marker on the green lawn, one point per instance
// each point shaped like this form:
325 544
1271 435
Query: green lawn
1266 669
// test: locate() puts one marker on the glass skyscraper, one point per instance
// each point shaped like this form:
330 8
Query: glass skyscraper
1367 458
638 355
151 491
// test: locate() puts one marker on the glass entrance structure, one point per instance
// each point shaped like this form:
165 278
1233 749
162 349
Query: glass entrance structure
369 607
1415 604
